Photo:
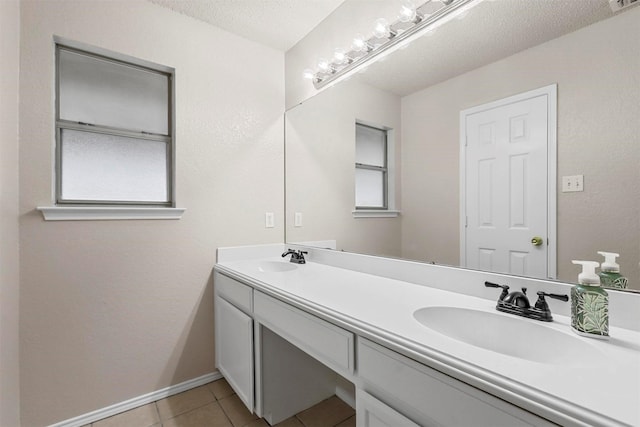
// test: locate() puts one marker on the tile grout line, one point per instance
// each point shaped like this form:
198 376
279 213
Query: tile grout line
190 410
216 400
222 407
155 405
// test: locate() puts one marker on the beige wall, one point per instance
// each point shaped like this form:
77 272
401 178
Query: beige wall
9 276
597 70
111 310
320 167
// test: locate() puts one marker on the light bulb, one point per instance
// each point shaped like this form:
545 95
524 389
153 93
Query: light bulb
308 74
407 11
381 28
339 56
323 65
359 43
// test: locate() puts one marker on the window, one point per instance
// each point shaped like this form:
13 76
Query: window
114 130
371 168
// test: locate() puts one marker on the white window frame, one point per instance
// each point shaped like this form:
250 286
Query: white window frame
106 209
388 210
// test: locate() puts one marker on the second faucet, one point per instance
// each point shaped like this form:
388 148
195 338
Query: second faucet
517 303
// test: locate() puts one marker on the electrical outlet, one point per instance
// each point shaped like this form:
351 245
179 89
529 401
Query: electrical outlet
572 183
269 220
297 219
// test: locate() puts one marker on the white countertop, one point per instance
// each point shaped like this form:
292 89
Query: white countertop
604 391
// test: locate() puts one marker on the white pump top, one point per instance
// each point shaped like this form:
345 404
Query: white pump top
609 263
588 275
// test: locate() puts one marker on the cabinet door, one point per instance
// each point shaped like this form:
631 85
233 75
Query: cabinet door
370 412
234 349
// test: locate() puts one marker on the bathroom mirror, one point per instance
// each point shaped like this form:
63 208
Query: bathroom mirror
500 49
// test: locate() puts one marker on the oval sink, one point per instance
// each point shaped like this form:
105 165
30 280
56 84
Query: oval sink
512 336
276 266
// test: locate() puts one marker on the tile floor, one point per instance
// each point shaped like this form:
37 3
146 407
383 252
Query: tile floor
216 405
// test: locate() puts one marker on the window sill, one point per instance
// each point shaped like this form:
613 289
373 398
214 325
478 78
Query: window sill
373 213
99 213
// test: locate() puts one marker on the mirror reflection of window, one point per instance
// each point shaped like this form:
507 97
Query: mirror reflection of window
371 187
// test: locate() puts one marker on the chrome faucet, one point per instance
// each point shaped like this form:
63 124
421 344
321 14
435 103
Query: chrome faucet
517 303
296 256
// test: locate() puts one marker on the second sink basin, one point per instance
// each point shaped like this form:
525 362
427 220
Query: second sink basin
512 336
276 266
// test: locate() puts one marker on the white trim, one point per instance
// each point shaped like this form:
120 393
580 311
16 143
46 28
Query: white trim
127 405
372 213
112 54
89 213
325 244
551 92
552 180
463 187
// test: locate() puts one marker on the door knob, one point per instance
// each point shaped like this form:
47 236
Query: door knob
536 241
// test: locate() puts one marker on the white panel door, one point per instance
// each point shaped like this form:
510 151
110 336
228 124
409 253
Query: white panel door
506 186
234 349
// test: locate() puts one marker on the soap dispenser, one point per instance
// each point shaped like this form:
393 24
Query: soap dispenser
610 276
589 303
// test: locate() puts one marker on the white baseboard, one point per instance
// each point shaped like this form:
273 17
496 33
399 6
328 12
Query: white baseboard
137 401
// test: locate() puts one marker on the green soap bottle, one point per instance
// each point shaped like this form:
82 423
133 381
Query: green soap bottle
610 276
589 303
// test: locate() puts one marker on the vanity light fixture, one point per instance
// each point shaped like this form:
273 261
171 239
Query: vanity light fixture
340 57
412 22
407 12
325 66
360 44
308 74
382 29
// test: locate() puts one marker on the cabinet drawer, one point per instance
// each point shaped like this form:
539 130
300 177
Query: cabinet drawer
373 413
328 343
234 292
432 398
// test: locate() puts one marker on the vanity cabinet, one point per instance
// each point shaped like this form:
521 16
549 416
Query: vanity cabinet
233 303
429 397
281 359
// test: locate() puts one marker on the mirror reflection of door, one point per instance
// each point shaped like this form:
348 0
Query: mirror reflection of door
508 199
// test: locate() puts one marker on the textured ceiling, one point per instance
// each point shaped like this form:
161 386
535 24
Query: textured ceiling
491 31
276 23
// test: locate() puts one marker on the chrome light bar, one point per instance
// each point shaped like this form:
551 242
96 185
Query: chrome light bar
386 38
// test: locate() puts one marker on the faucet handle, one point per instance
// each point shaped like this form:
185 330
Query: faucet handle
561 297
505 289
542 303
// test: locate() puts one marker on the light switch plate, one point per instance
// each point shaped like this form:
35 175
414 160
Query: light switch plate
269 220
572 183
297 219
